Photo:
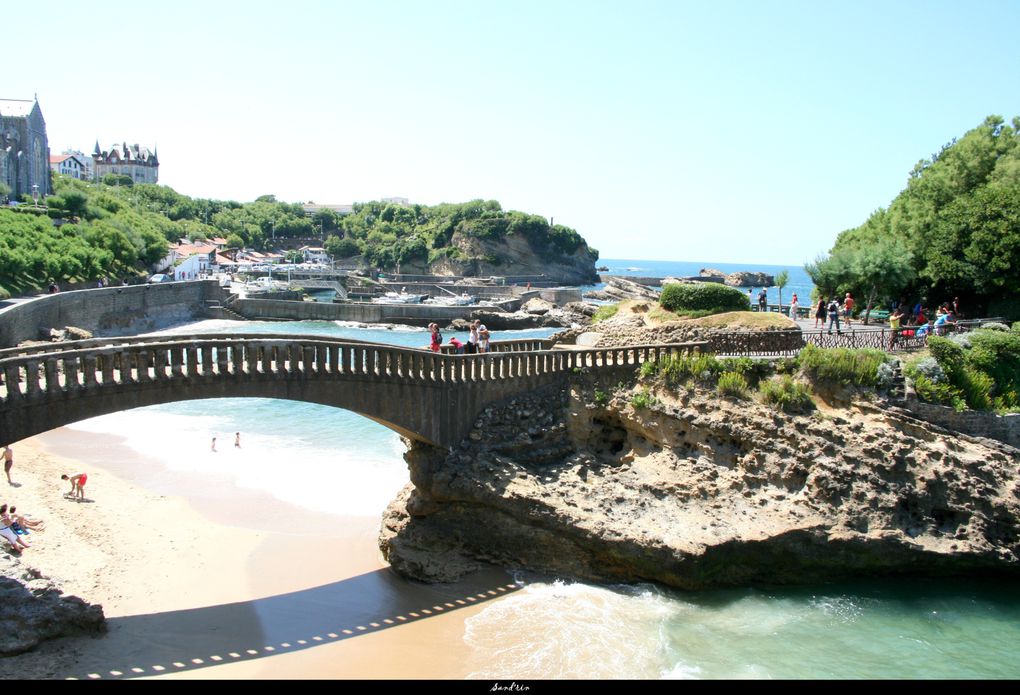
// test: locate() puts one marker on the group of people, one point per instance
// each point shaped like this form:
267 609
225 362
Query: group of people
15 526
832 309
477 343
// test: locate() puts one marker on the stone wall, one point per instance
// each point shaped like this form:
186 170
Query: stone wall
109 311
363 312
1003 428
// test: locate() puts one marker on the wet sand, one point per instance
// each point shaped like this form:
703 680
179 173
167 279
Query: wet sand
202 580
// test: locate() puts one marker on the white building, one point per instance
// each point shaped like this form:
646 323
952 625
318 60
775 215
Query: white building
69 165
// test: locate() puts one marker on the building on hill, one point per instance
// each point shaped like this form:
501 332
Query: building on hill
69 165
140 163
24 148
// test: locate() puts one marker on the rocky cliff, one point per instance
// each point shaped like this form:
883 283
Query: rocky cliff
515 255
696 492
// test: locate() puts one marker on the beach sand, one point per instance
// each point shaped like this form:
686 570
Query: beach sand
199 580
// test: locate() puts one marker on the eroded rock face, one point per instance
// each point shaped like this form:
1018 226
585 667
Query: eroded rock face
33 609
698 492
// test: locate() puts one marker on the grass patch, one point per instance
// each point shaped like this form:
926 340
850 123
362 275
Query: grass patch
746 320
732 385
605 312
785 393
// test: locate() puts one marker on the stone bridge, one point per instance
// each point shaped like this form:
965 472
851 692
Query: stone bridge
429 397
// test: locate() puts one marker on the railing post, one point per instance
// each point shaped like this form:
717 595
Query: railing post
221 351
90 370
190 366
309 360
126 366
143 365
12 379
321 358
107 367
52 379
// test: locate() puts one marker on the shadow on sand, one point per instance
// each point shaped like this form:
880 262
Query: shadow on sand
177 641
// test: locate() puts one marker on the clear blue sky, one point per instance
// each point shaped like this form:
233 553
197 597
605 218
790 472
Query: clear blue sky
749 131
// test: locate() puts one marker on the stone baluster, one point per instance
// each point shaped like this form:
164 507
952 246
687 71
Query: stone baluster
12 380
107 365
127 363
52 378
143 356
309 360
90 371
321 359
190 365
159 362
32 388
221 353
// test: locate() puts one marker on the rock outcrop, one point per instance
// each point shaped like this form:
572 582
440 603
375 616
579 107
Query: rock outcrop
619 289
33 609
513 255
741 278
696 491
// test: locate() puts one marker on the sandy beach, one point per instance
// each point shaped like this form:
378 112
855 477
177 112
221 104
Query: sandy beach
206 581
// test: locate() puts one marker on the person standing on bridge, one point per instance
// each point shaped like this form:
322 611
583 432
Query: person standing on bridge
436 343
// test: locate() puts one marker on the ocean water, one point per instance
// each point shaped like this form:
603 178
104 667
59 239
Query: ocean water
552 628
799 282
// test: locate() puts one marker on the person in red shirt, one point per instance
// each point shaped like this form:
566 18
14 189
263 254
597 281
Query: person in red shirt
848 307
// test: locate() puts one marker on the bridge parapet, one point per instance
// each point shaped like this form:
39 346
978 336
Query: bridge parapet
424 395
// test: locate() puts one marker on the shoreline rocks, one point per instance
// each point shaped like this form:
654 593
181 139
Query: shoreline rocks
33 609
695 492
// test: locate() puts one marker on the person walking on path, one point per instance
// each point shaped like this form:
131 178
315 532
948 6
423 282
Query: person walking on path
77 484
820 313
213 449
848 307
8 463
794 305
834 316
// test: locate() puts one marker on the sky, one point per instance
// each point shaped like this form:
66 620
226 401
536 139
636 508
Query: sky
726 131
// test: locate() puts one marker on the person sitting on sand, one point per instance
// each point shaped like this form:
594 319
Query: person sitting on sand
77 484
26 521
7 532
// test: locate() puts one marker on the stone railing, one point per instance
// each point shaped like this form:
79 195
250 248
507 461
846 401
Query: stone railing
50 374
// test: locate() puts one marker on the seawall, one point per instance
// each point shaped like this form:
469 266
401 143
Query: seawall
109 310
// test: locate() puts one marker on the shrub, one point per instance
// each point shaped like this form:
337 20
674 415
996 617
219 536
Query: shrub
601 398
842 365
939 393
605 312
703 298
928 368
643 400
993 326
732 385
787 394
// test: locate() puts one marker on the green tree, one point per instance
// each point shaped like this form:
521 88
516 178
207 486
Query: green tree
782 278
341 248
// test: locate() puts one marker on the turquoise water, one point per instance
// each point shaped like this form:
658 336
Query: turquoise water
548 629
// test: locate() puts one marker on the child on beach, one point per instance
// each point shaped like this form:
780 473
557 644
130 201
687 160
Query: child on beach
77 485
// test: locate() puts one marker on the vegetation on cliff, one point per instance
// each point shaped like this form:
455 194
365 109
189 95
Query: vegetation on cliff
954 230
116 230
978 370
